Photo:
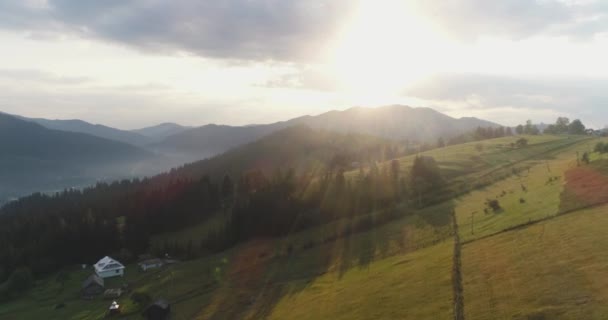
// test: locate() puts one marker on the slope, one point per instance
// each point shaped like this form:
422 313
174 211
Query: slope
552 270
298 147
356 267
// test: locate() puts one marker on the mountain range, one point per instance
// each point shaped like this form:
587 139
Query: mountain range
42 154
396 122
36 158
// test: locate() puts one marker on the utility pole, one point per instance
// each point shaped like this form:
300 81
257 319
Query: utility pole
472 221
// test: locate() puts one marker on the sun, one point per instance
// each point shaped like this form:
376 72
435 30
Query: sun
382 49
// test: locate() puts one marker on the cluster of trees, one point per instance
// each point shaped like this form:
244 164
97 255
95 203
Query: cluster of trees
528 128
482 133
19 281
285 203
564 126
601 147
561 126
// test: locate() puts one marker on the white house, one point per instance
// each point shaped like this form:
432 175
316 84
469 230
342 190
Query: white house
108 267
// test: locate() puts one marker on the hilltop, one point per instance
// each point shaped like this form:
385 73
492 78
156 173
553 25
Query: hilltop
397 122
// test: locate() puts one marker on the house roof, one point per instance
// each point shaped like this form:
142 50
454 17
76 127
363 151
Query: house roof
108 264
92 279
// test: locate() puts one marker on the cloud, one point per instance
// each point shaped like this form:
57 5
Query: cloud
306 78
576 96
38 76
232 29
517 19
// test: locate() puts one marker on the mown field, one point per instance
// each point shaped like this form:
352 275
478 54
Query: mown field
400 268
551 270
532 194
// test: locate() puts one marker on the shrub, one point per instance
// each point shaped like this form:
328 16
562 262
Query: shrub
141 298
586 158
523 142
494 205
20 281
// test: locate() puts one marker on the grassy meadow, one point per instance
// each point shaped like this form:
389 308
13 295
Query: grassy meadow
532 194
400 268
555 269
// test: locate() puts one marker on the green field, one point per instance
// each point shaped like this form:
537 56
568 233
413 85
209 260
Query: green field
401 268
533 194
552 270
410 286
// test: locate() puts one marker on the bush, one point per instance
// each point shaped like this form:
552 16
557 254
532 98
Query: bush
600 147
523 142
586 159
141 298
494 205
20 281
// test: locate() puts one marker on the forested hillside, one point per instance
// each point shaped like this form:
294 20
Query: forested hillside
176 199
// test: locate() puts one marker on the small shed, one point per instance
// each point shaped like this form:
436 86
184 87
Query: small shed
159 310
150 264
92 286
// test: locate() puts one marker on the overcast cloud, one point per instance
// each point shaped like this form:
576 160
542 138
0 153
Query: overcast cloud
198 60
582 97
518 19
237 29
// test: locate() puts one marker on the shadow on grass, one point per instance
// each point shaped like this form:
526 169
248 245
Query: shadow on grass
263 272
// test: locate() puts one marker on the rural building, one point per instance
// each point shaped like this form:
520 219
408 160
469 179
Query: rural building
108 267
150 264
159 310
92 286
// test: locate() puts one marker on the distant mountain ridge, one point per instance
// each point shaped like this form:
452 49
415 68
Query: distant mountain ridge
80 126
394 122
36 158
41 154
161 131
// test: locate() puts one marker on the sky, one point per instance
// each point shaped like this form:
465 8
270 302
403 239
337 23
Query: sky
135 63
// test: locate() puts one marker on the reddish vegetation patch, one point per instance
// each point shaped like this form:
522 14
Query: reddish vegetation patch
584 186
249 263
244 278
